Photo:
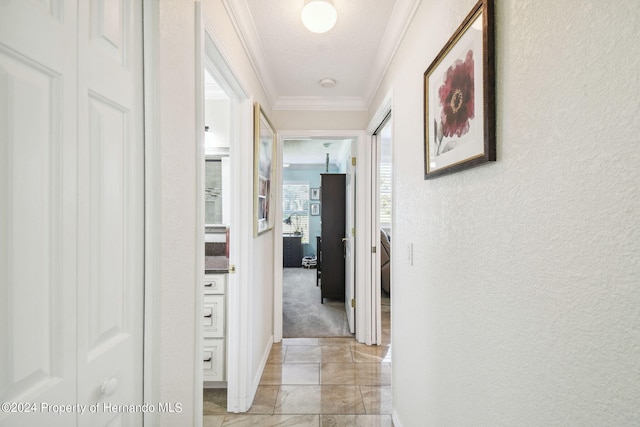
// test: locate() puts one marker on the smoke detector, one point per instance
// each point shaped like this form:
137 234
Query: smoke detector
327 83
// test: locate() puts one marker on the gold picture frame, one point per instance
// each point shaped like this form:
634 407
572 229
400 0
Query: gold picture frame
264 153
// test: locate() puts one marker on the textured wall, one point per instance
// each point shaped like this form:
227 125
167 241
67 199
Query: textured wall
176 88
319 120
525 285
177 141
260 279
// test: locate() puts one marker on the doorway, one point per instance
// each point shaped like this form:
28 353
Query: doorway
223 117
218 234
384 213
355 280
307 163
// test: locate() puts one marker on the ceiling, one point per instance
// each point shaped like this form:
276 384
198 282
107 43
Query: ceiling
290 60
313 151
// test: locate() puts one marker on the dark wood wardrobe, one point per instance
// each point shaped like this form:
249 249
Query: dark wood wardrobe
332 217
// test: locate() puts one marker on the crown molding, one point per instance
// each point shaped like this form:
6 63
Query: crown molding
399 21
240 16
320 103
401 16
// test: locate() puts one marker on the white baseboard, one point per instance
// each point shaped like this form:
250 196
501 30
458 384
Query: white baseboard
256 380
396 420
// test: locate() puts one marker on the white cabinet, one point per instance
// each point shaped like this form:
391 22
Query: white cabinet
214 322
213 360
213 316
215 284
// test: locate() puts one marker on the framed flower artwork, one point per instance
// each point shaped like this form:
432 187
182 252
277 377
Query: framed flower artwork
459 98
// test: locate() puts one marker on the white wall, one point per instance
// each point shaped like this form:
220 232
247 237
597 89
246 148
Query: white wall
521 306
176 92
319 120
217 113
177 140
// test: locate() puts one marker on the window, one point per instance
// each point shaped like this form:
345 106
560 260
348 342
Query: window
385 170
295 208
213 192
385 194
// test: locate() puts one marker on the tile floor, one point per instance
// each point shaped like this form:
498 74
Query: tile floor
317 382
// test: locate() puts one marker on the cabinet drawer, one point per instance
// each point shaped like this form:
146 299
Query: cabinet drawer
213 359
215 283
213 316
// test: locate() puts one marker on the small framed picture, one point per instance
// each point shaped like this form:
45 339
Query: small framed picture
315 209
315 194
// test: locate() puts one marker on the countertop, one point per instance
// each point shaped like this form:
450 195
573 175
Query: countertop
216 264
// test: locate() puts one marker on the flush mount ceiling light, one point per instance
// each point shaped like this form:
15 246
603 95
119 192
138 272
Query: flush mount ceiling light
327 83
319 16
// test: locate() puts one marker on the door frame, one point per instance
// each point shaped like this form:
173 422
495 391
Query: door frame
152 207
360 138
373 293
211 54
238 333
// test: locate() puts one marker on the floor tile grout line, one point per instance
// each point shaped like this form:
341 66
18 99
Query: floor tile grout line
275 401
364 406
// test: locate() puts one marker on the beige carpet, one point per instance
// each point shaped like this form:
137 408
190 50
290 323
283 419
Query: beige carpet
303 314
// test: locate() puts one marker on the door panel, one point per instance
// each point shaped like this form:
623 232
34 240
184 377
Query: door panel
71 208
37 278
375 241
110 195
349 270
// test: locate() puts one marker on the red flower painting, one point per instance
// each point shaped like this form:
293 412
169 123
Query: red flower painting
457 97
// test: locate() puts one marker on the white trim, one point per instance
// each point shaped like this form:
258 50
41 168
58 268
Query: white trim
383 109
373 292
399 21
320 103
228 74
370 206
211 53
277 242
240 17
258 376
395 419
152 305
360 241
199 97
329 134
401 17
239 393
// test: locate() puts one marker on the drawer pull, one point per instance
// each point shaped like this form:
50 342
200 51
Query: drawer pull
208 360
208 285
208 315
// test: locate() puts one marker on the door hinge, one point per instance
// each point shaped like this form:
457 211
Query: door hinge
353 161
353 303
353 231
232 268
374 249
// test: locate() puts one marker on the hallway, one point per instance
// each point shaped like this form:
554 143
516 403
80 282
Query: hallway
317 382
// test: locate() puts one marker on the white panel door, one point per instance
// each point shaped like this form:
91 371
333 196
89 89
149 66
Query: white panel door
71 210
376 314
110 206
349 244
37 211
